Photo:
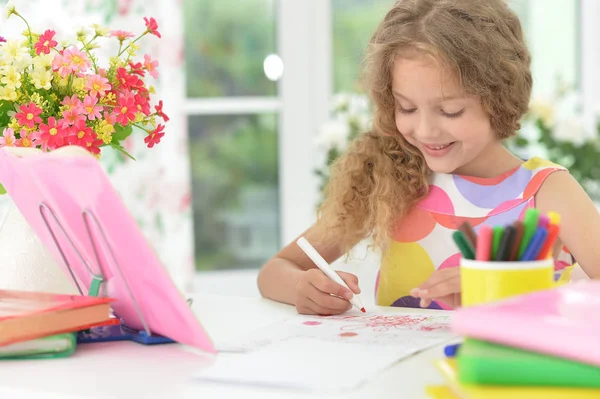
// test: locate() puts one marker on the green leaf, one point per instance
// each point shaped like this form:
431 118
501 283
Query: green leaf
5 106
2 189
121 133
120 148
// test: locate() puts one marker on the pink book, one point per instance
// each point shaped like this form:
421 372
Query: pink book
79 194
563 322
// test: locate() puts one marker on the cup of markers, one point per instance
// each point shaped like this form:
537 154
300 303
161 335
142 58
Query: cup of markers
503 261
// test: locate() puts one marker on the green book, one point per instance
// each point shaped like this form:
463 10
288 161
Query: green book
54 346
486 363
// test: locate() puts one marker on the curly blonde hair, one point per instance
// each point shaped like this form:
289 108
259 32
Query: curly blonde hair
377 181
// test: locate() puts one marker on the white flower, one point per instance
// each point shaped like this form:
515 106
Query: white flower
543 109
9 9
42 79
15 52
572 130
334 134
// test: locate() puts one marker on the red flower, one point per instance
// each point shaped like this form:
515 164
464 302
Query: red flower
126 79
137 68
81 134
154 136
159 111
152 26
142 104
29 115
126 109
51 134
45 43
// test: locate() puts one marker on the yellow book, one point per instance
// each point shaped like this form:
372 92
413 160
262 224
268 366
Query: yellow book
449 370
440 392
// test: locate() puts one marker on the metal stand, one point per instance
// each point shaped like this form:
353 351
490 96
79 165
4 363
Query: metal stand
97 279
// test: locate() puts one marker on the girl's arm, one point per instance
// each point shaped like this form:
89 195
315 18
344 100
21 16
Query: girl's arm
580 220
291 277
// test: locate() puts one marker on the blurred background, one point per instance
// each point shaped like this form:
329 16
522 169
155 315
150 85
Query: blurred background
263 94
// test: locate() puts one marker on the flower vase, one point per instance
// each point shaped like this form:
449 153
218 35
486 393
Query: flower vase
25 263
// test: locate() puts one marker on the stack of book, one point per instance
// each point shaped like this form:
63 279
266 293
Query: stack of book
38 325
539 345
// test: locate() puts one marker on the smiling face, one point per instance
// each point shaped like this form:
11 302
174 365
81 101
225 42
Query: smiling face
433 113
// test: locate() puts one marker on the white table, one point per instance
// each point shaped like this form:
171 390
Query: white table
134 371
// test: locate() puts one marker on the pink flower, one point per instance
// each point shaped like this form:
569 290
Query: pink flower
77 60
2 40
61 65
46 42
8 138
97 85
154 136
91 109
110 117
126 109
72 102
72 116
151 66
29 115
26 140
152 26
121 34
51 134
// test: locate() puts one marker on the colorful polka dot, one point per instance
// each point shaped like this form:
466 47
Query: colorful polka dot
415 226
404 267
437 201
536 163
507 217
452 222
452 261
490 196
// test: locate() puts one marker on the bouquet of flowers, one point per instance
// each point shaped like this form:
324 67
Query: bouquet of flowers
53 95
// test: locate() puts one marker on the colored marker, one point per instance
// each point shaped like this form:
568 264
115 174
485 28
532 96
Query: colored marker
514 252
463 245
554 218
469 233
322 264
506 243
450 350
530 222
544 221
553 230
484 243
498 232
535 244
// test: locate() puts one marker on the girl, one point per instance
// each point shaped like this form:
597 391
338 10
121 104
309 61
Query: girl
450 79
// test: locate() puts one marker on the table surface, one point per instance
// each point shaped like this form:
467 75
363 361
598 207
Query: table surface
131 370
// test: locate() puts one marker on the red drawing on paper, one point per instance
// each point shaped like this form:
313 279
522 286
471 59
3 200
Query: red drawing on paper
348 334
382 323
311 323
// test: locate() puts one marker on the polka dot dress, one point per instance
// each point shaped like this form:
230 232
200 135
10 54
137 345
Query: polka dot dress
423 242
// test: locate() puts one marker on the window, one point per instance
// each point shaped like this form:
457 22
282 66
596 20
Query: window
233 129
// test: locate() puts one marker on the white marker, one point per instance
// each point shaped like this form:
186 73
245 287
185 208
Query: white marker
322 264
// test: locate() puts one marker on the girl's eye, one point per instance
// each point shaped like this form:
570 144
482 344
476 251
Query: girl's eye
453 114
405 111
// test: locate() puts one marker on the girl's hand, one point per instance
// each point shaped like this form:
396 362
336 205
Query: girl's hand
443 285
318 294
